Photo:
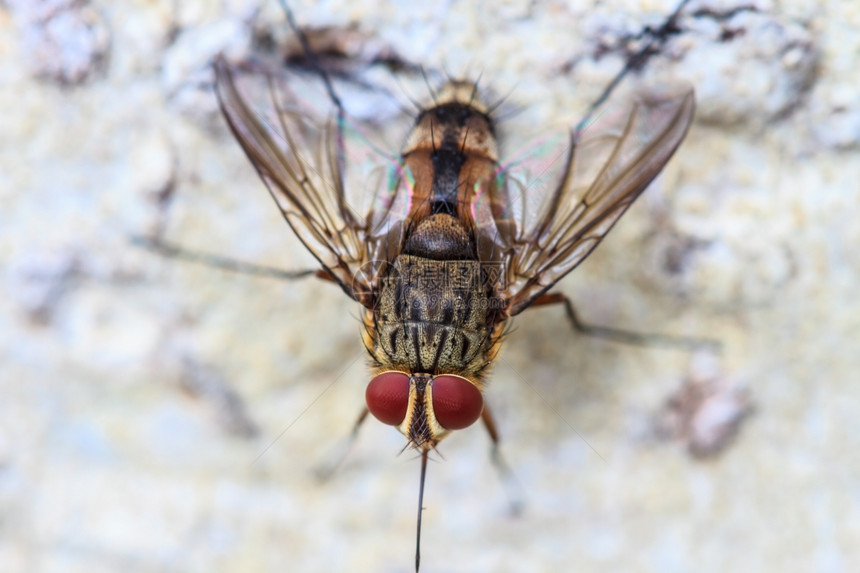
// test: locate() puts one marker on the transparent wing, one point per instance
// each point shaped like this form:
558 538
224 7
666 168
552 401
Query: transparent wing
306 160
599 173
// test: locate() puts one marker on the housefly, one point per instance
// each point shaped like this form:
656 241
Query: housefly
446 241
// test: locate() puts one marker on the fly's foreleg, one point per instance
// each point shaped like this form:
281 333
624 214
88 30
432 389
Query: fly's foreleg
502 467
335 459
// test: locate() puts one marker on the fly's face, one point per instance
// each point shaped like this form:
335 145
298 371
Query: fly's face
425 408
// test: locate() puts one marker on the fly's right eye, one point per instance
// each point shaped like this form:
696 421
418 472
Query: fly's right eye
457 403
387 397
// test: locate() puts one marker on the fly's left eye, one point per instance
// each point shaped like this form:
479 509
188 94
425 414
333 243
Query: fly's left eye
387 397
457 403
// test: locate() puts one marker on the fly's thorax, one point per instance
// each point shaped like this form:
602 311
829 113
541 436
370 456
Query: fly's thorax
440 237
434 316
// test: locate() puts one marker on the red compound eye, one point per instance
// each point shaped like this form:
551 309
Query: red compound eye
457 403
387 397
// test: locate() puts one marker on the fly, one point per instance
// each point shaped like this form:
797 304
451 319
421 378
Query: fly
453 241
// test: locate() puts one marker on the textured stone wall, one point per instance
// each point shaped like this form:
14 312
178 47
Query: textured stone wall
157 415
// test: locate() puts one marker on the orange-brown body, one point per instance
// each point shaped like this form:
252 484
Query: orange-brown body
437 309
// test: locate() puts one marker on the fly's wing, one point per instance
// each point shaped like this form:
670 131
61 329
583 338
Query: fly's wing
600 172
306 162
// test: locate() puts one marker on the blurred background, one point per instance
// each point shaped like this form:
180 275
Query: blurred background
158 415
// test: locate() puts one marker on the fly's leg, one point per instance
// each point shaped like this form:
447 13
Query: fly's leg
324 76
335 459
689 343
175 252
169 250
312 59
657 37
505 473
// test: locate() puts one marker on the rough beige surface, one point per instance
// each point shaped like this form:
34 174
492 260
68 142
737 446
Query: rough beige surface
123 446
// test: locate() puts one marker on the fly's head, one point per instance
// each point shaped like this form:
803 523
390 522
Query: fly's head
424 407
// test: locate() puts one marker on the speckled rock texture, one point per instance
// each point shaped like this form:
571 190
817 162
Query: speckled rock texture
159 415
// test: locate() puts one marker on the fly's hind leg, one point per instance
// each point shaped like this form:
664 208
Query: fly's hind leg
505 473
689 343
655 39
336 457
